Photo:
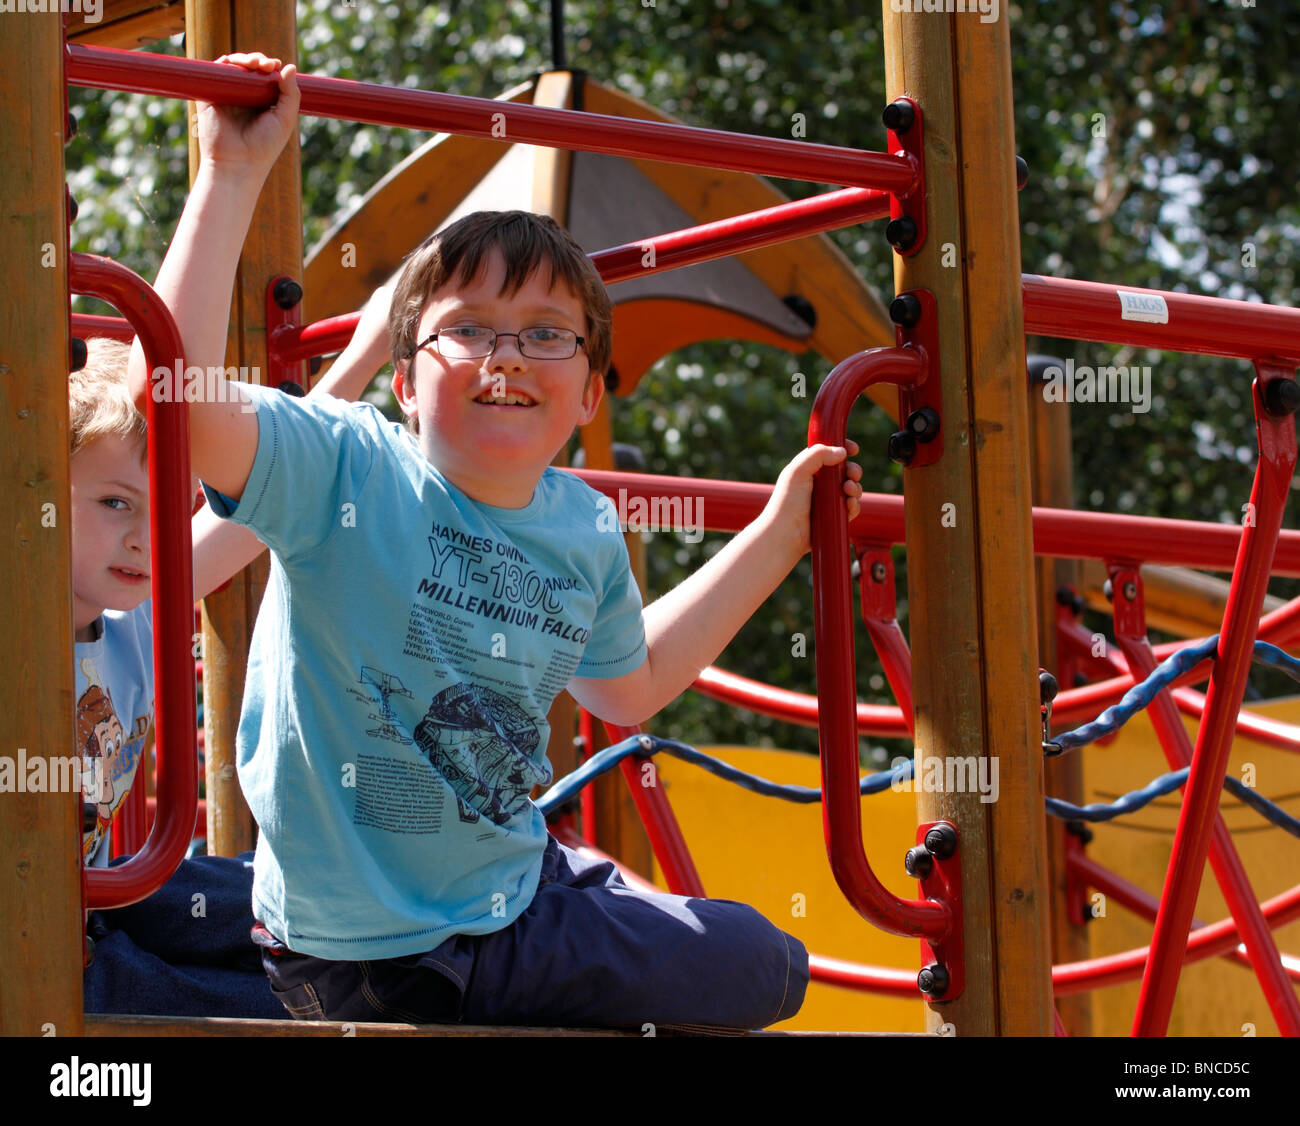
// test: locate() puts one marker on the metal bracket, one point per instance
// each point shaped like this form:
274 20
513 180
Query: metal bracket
283 310
911 206
922 334
943 883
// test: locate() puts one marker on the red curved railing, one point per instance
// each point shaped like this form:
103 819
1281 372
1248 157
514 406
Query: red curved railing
172 589
836 668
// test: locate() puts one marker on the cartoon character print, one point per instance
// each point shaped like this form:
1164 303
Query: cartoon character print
100 741
480 742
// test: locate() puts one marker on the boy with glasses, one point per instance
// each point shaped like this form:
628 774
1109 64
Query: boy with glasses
430 595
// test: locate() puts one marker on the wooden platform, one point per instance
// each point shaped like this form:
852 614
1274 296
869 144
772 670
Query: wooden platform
114 1026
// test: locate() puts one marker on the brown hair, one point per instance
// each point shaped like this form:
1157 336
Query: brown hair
99 402
527 242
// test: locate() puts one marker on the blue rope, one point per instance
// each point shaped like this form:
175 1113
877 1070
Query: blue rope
1140 695
568 787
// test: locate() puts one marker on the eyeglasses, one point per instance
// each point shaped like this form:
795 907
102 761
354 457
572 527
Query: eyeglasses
470 342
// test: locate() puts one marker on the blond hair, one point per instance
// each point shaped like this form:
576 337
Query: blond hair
99 401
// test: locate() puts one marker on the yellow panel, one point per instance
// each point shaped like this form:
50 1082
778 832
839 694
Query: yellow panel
768 853
1215 997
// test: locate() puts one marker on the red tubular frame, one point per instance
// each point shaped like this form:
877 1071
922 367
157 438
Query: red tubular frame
660 823
1277 449
87 325
1088 871
172 587
1227 866
1211 326
836 687
111 69
781 223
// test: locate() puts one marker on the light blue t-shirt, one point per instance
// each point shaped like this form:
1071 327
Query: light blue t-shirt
113 675
409 646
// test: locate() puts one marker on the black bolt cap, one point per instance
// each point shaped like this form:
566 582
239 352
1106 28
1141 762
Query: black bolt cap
801 307
76 354
1080 830
899 115
941 841
1047 686
901 233
72 128
905 310
290 387
287 293
924 424
72 206
902 447
933 981
918 862
314 364
1281 397
1022 173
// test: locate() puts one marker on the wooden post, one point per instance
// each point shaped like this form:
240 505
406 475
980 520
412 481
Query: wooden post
1053 486
273 246
970 562
40 833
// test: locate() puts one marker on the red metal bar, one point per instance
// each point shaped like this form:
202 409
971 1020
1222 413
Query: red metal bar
130 827
173 594
111 69
781 223
88 325
292 343
1271 732
1277 449
660 823
1225 862
587 799
793 707
879 615
836 687
1115 887
1214 326
1114 969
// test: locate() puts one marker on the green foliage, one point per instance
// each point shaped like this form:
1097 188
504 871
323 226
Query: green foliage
1189 162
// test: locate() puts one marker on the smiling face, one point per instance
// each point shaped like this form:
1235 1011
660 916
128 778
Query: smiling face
110 530
492 425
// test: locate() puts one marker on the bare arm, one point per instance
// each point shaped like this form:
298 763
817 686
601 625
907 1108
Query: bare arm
223 549
688 627
237 149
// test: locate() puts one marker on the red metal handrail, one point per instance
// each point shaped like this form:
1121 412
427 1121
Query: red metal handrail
111 69
836 675
172 591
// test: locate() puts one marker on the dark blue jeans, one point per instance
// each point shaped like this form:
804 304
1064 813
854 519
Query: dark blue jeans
184 951
588 951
